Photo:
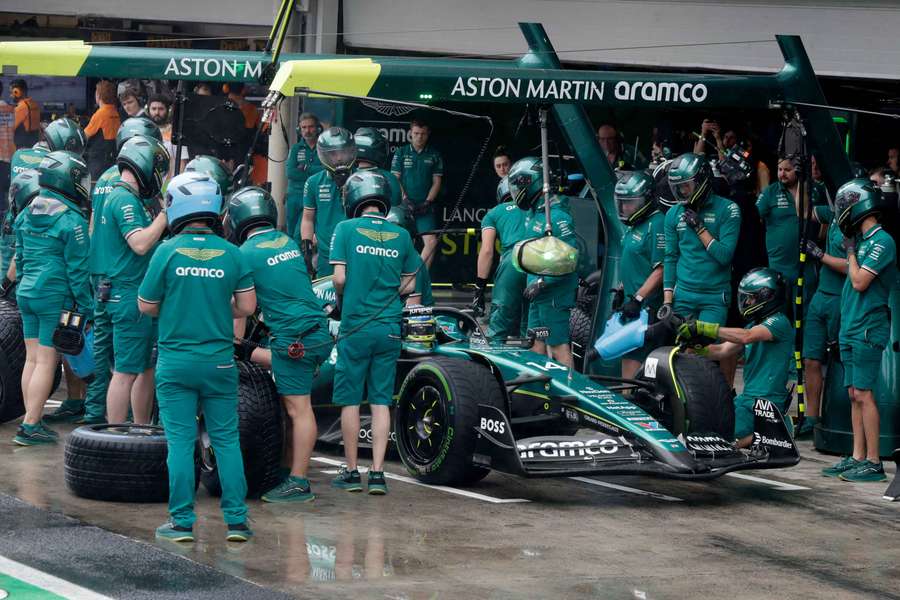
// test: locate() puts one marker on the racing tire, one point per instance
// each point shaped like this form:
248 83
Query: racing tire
709 399
438 405
580 323
118 463
12 361
261 429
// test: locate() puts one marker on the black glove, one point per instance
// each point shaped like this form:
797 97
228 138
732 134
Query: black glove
618 299
631 310
850 245
813 250
421 209
306 248
477 304
664 312
534 289
693 221
6 287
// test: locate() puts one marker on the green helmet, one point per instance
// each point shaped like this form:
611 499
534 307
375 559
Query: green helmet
250 207
337 152
856 200
65 134
761 293
398 216
148 159
136 126
22 190
365 188
66 173
635 198
214 167
371 146
689 178
526 182
503 194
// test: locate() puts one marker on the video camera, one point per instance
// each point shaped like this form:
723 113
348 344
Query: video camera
735 166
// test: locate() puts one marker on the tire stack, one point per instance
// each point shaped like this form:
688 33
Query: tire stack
12 361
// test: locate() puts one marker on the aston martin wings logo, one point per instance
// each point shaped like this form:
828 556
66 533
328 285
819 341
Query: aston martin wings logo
378 236
201 254
279 243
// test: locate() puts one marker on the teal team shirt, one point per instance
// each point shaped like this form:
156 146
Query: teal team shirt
192 276
122 215
831 281
559 290
301 164
690 265
283 290
24 159
415 170
508 220
778 212
377 254
864 313
643 250
322 194
102 188
767 364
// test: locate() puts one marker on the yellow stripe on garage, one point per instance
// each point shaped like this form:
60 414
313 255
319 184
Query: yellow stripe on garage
64 58
351 76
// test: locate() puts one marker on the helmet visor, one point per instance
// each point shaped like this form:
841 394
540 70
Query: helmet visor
683 191
746 302
83 185
338 157
628 206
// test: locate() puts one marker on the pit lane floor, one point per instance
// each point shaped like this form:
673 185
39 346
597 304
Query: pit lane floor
766 534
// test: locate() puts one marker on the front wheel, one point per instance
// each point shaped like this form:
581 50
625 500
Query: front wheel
436 418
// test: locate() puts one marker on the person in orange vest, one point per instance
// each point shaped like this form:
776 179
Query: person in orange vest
236 92
27 124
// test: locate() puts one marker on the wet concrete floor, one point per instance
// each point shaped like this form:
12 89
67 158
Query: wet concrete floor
786 534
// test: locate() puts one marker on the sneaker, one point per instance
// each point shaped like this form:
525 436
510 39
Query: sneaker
806 429
47 430
376 483
347 480
34 435
91 420
292 489
845 464
175 533
238 532
69 411
866 471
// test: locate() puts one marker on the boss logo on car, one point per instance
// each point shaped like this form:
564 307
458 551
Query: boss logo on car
493 425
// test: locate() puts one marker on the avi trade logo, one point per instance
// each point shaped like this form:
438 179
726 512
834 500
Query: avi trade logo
213 67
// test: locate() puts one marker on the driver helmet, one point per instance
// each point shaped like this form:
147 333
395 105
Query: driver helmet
136 126
854 201
371 146
22 190
761 292
503 194
366 188
148 160
214 167
193 197
65 134
526 182
250 207
689 179
337 153
421 326
66 173
634 195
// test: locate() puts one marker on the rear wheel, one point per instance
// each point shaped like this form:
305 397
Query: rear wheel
436 417
12 361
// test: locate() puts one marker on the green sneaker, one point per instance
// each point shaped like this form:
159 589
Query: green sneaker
845 464
376 483
238 532
176 533
91 420
34 435
865 472
807 428
70 411
292 489
347 480
47 430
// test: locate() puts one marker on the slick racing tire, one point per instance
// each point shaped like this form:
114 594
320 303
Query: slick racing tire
12 361
580 334
117 463
436 417
261 429
709 399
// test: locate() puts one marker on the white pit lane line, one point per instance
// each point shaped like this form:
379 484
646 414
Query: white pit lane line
449 490
778 485
625 488
47 582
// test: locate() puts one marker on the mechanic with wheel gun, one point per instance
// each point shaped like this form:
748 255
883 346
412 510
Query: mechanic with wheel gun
503 224
196 267
701 235
375 264
299 339
767 343
643 252
865 323
550 298
126 233
95 402
52 274
322 208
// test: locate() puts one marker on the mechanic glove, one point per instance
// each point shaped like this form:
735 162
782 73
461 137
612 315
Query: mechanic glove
692 219
691 330
421 209
664 311
306 248
6 287
813 250
534 289
618 299
477 304
631 310
850 245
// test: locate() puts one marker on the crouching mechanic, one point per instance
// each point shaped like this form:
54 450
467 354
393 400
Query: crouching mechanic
505 224
197 268
551 298
299 341
374 264
643 251
127 232
865 322
767 343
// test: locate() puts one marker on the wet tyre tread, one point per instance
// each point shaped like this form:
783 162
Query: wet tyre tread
710 400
